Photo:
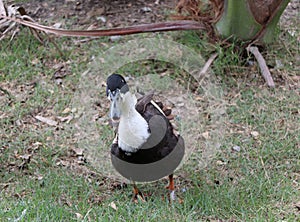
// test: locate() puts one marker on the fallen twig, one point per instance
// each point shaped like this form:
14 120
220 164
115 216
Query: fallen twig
206 66
46 120
262 65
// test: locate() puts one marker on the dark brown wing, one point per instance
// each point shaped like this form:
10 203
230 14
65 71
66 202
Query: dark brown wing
147 108
147 99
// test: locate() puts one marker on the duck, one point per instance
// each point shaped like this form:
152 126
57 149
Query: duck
146 147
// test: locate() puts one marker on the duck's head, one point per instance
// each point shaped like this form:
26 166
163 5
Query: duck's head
116 88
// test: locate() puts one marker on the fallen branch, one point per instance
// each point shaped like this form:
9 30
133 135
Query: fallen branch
262 65
156 27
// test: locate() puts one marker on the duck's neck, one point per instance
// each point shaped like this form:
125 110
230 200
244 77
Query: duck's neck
128 105
133 129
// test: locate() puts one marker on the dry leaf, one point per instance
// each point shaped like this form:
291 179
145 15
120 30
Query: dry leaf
146 9
205 135
46 120
78 151
199 98
255 134
66 110
63 163
37 144
35 61
78 216
66 119
113 206
115 38
180 104
25 156
102 19
102 60
57 25
236 148
220 163
295 78
58 81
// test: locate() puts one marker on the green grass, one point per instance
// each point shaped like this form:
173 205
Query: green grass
258 183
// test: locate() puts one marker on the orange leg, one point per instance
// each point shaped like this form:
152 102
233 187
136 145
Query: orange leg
137 194
171 188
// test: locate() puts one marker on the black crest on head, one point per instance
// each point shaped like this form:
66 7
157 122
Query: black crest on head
116 81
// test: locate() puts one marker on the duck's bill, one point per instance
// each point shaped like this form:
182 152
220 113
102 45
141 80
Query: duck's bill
115 105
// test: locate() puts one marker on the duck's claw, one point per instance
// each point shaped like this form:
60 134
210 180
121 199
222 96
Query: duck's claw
137 195
171 188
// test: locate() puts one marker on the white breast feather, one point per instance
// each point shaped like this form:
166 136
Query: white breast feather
133 130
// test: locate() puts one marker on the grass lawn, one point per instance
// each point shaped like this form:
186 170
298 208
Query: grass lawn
46 176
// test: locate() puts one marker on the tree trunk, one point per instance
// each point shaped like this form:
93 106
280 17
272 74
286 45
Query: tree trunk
254 20
247 20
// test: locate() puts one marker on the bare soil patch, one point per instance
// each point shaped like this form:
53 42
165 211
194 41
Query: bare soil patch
100 14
